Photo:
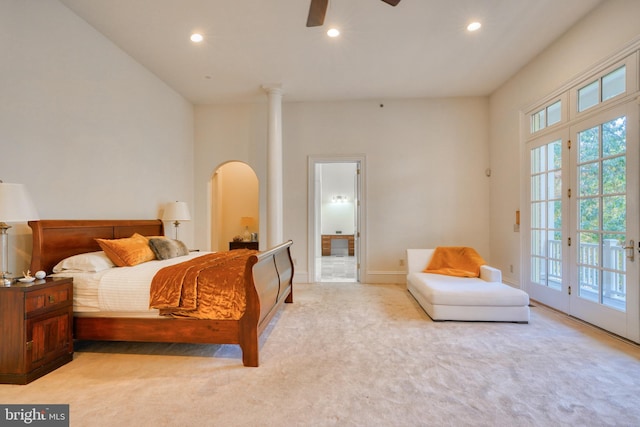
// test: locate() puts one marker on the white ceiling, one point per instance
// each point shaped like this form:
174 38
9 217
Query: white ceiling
418 49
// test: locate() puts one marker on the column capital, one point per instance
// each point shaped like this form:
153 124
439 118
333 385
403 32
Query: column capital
273 88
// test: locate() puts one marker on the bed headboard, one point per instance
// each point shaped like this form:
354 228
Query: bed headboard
56 239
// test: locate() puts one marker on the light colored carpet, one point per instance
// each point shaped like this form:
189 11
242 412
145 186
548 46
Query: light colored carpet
358 355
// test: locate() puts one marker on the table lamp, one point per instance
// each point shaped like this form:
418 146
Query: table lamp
176 211
246 222
15 206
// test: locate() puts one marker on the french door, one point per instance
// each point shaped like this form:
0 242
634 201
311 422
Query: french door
584 220
604 220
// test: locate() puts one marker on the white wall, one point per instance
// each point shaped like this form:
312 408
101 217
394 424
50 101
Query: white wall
338 179
90 132
607 29
225 133
425 160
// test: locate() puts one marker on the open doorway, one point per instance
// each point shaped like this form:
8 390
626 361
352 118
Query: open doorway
335 219
235 207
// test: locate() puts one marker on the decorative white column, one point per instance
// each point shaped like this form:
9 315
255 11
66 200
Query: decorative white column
275 206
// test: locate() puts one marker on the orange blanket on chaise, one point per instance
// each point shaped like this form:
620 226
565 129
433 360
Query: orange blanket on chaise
207 287
458 261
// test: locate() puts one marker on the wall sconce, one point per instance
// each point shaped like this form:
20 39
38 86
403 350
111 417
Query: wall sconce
339 199
15 206
176 211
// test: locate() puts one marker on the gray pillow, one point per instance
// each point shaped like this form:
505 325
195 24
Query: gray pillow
166 248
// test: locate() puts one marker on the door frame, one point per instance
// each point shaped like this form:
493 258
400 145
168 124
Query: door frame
313 207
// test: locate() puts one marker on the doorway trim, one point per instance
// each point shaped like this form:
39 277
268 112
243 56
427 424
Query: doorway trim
313 207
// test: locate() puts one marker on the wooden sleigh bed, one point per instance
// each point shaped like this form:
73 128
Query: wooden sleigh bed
267 280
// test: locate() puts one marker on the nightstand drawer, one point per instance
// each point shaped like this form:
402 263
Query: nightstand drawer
48 298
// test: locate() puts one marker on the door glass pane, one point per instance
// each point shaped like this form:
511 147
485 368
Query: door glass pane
614 83
614 210
537 215
589 180
538 187
614 172
588 96
589 213
614 140
555 155
588 145
538 159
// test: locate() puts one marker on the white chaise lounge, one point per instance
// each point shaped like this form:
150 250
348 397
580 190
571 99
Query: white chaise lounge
462 298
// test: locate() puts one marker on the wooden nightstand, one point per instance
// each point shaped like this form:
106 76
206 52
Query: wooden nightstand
37 327
243 245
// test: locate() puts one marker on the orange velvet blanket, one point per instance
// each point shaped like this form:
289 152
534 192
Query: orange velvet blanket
207 287
458 261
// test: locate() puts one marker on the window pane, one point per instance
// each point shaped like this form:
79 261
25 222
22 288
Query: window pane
538 187
554 113
538 271
614 137
614 172
538 121
555 184
589 214
588 96
613 256
588 253
614 213
537 215
538 243
588 182
589 283
537 159
555 210
555 155
589 144
614 83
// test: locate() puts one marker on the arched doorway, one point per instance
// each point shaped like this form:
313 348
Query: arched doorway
235 207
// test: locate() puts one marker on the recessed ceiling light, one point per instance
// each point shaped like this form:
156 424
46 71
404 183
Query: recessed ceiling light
474 26
196 37
333 32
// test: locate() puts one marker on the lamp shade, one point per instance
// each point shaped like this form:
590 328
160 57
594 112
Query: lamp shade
176 211
15 204
246 221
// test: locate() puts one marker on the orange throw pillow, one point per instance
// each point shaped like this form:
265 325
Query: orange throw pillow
129 251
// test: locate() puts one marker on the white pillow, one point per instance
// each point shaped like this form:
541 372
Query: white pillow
90 262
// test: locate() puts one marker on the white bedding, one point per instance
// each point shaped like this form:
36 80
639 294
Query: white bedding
119 289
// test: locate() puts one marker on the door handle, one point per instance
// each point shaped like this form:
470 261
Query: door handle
630 250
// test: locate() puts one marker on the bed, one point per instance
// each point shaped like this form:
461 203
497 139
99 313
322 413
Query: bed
267 281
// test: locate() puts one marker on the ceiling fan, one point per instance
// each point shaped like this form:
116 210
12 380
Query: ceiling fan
318 10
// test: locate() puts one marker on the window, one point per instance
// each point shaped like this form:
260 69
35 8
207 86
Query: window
612 84
548 116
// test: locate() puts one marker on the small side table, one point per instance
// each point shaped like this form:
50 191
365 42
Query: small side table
243 245
37 320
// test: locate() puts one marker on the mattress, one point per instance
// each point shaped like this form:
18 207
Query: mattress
119 291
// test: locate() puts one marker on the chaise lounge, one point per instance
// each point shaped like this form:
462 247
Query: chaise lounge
483 298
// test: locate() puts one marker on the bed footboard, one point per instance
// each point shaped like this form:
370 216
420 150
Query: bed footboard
269 284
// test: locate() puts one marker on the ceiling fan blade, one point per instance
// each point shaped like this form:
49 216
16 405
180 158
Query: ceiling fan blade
392 2
317 11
